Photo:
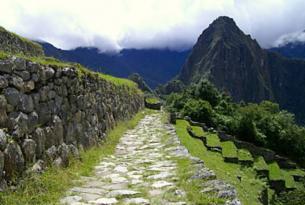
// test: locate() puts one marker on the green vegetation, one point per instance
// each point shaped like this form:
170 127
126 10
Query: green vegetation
152 100
297 172
53 183
198 131
193 187
260 164
248 187
212 140
296 197
262 124
229 149
275 173
289 181
244 155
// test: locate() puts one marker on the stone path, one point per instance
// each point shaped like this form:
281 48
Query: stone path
143 171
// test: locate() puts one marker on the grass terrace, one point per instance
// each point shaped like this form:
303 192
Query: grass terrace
244 156
248 187
275 173
260 164
212 140
229 150
152 100
198 131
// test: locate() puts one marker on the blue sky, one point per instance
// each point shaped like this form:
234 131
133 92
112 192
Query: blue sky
175 24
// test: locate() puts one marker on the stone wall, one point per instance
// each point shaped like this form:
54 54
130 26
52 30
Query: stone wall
48 113
12 43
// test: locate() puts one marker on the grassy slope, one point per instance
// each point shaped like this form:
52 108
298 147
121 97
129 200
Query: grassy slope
248 188
51 185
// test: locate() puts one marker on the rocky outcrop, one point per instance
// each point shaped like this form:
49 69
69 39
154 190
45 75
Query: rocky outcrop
49 112
14 44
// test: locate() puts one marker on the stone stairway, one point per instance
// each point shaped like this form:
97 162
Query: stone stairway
143 171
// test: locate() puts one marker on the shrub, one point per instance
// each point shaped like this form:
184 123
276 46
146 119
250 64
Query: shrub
199 110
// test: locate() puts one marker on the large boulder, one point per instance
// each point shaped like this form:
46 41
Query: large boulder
40 138
33 121
63 151
58 130
51 153
12 95
3 114
26 103
13 160
1 164
6 66
20 125
17 82
3 140
25 75
3 82
29 150
46 73
29 86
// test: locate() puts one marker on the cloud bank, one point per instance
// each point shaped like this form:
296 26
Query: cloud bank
112 25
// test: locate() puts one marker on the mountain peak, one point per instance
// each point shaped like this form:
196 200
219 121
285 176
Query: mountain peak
230 59
224 20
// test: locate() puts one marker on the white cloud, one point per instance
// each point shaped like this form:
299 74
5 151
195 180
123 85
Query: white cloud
115 24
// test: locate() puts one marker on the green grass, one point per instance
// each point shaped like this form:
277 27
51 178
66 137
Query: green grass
229 149
152 100
289 181
212 140
198 131
260 164
193 187
296 172
275 172
3 55
244 155
49 187
248 188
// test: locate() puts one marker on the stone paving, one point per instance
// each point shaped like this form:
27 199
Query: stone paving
143 171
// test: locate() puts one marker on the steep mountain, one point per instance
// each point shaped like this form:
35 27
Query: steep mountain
291 50
155 66
236 63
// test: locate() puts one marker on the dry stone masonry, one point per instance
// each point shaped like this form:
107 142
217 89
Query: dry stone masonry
143 170
47 113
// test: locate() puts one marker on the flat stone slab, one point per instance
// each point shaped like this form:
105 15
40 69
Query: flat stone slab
122 193
137 201
161 184
105 201
70 199
88 190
